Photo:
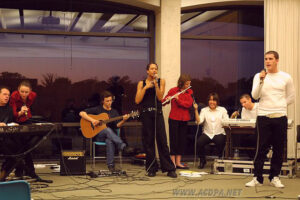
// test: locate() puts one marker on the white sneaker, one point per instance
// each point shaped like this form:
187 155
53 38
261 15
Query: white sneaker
276 182
253 183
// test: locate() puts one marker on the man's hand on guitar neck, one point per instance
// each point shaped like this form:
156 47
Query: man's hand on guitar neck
125 117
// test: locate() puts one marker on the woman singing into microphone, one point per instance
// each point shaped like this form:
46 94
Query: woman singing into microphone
178 118
20 101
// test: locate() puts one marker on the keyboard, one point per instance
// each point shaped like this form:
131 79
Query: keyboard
32 129
246 122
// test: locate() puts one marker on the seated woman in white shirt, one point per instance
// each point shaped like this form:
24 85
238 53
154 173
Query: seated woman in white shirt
211 117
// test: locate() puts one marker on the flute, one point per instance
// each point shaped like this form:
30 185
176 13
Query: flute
178 93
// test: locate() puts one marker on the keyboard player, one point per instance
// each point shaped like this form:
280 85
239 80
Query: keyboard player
6 116
249 111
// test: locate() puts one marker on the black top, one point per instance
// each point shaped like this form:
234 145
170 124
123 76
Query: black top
111 113
150 94
6 114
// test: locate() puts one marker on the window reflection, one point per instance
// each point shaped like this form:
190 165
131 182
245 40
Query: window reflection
68 70
228 61
238 22
225 67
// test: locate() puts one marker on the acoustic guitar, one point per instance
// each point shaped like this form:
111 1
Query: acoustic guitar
89 130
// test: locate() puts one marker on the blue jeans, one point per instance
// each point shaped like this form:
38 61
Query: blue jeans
110 138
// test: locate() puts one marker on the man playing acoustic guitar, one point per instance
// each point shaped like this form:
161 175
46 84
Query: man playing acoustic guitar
107 134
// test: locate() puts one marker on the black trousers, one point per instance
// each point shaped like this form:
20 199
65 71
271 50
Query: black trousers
26 164
178 134
203 140
271 131
17 145
151 120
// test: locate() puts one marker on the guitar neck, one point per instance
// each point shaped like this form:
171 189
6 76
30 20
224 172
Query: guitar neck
113 119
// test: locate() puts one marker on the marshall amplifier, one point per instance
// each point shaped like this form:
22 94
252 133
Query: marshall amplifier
72 163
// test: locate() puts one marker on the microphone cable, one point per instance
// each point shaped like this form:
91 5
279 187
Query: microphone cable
257 140
195 145
196 135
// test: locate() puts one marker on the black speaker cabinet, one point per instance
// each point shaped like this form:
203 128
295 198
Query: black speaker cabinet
72 163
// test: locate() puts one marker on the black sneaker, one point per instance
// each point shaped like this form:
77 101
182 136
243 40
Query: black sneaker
151 174
202 164
39 179
111 168
172 174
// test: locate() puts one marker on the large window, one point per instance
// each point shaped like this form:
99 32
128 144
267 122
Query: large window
222 49
71 51
73 69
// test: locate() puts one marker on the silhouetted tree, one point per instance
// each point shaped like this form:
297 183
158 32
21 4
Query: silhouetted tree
48 79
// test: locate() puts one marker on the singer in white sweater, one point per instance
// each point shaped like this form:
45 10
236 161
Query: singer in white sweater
275 91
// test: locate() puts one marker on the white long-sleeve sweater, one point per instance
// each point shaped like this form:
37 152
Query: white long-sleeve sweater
275 93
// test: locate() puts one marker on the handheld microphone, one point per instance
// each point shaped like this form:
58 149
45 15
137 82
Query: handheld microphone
239 111
156 77
236 113
265 70
194 101
263 78
25 112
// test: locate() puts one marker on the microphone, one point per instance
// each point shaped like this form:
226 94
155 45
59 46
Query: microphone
239 111
236 113
156 77
194 101
25 112
263 78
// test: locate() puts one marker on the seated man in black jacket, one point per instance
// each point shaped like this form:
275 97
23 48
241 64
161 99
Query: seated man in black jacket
6 116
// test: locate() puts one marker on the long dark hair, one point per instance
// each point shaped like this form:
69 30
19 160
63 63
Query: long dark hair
152 63
215 97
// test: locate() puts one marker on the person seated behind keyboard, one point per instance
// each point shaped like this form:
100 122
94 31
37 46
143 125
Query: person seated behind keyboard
249 111
6 116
